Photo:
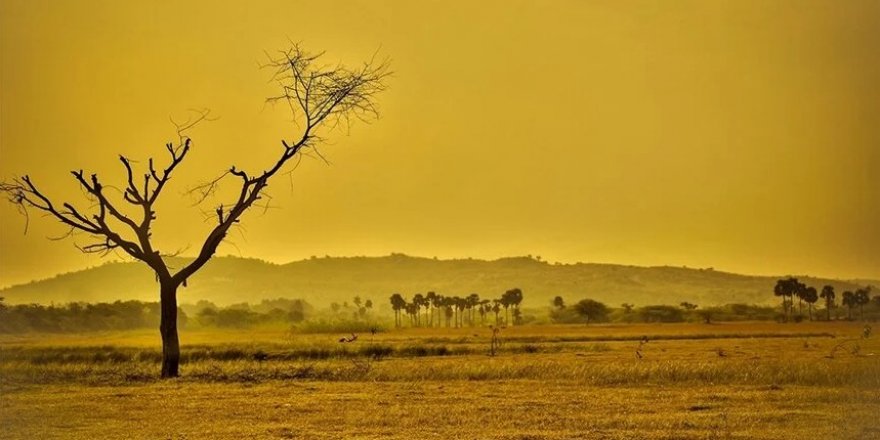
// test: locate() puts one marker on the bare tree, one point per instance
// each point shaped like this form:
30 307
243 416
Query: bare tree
320 98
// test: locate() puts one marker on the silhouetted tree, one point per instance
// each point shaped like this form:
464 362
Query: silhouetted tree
510 298
320 97
591 310
516 298
706 314
472 301
810 297
862 297
418 301
460 305
800 290
688 306
828 295
558 302
437 305
517 315
849 300
786 288
484 308
397 304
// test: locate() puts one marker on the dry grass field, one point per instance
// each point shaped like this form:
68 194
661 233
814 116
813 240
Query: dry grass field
689 381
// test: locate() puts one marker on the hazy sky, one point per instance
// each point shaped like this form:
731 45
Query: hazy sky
743 135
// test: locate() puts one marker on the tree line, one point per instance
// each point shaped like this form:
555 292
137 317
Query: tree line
130 315
456 311
790 288
587 311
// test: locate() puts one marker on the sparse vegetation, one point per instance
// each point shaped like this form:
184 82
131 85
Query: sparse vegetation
748 365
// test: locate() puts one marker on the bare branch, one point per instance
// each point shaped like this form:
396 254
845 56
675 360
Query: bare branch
97 224
319 98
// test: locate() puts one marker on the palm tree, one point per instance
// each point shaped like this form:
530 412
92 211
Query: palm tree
397 304
828 295
447 308
800 290
510 298
460 305
505 302
862 297
849 302
810 296
496 308
472 301
786 288
418 301
484 309
437 303
515 298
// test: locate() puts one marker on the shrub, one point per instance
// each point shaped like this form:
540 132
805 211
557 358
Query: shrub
376 351
660 313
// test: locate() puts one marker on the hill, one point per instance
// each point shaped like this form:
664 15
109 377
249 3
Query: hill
228 280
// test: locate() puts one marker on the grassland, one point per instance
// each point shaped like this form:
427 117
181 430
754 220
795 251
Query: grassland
692 381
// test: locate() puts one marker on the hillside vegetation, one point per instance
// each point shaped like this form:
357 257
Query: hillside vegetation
228 280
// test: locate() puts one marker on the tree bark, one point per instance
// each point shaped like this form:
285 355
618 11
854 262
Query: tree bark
168 329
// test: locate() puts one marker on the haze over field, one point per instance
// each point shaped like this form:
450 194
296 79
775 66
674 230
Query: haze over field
228 280
737 135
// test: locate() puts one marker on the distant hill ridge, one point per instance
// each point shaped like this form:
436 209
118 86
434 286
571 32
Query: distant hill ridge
228 280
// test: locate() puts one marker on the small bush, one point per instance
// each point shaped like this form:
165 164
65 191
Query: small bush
376 351
425 350
530 348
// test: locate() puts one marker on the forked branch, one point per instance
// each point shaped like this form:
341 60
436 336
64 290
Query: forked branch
106 223
318 98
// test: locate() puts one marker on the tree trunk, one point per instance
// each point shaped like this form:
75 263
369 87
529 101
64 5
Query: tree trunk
168 329
828 310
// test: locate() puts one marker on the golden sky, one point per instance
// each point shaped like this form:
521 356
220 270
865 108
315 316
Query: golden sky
742 135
